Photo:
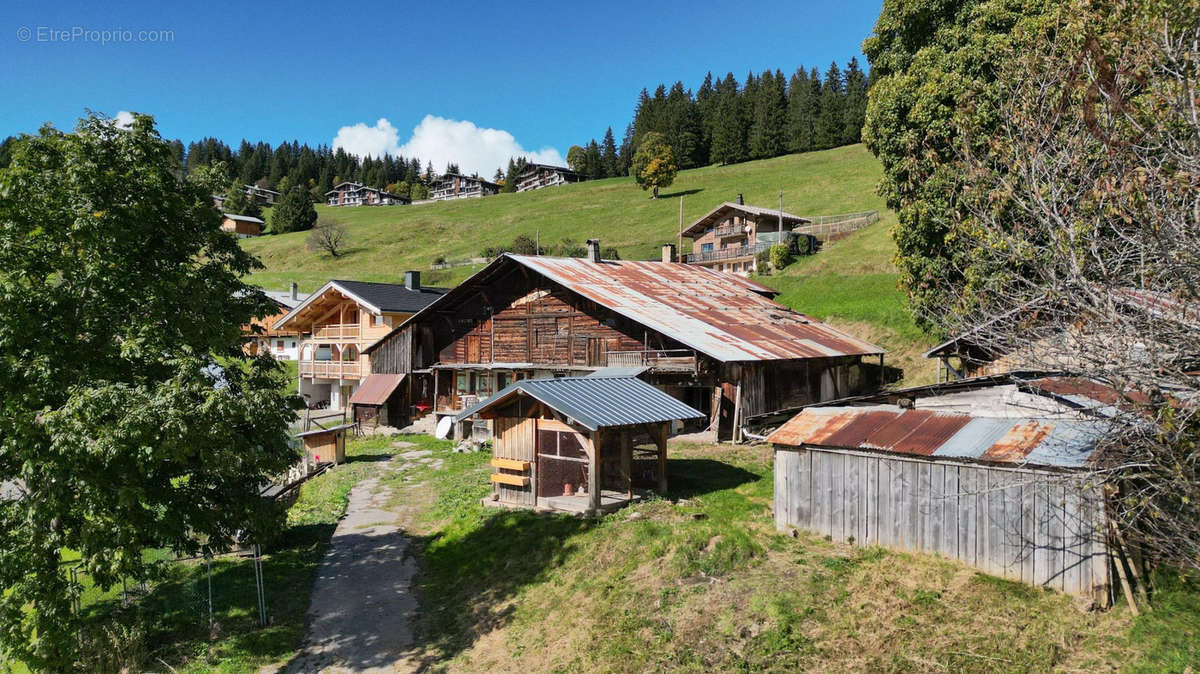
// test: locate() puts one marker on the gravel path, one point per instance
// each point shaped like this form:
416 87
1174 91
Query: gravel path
362 602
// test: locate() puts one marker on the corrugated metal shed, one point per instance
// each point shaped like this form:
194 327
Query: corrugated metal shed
722 315
595 402
1057 442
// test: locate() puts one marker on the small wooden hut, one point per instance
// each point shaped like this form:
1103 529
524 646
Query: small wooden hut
326 444
578 444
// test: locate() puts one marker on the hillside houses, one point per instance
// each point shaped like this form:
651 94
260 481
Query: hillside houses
457 186
537 176
339 322
357 194
730 236
713 340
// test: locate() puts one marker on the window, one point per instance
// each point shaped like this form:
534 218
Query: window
377 319
501 380
279 345
706 248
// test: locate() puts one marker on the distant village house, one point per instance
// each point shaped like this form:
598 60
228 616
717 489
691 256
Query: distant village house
456 186
537 176
357 194
263 337
730 237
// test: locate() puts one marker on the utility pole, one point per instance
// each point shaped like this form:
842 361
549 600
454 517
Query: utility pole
781 216
680 244
538 244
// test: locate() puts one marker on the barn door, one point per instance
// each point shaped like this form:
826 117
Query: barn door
725 413
597 352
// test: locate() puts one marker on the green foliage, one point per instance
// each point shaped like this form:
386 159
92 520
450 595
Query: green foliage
781 255
934 66
654 164
293 213
240 203
577 159
131 416
762 262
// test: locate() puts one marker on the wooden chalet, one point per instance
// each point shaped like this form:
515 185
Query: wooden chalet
340 321
242 226
730 236
713 340
261 335
580 444
357 194
537 176
457 186
262 195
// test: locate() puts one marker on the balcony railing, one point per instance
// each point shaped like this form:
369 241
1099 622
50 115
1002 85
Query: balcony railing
730 230
331 369
338 331
728 253
676 360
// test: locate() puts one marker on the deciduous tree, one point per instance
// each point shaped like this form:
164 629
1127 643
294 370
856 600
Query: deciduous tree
654 164
132 419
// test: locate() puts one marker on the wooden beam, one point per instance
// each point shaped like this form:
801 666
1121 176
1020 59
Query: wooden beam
593 444
514 480
627 460
660 439
510 464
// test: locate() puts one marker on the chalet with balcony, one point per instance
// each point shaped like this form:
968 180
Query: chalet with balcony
456 186
357 194
339 322
730 236
713 340
537 176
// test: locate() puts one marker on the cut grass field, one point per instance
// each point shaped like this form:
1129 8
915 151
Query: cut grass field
850 283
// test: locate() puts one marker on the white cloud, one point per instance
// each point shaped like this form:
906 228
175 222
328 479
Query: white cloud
442 141
124 119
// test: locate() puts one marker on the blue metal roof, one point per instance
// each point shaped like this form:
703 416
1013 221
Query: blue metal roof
596 402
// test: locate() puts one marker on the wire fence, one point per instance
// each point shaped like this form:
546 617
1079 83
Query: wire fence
826 225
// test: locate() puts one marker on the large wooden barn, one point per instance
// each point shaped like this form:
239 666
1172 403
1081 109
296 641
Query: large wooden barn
713 340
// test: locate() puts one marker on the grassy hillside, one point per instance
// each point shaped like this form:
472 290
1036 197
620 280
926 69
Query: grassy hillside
851 282
386 240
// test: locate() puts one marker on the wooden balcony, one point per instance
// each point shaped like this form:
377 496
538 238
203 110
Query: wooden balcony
332 369
338 332
729 230
678 360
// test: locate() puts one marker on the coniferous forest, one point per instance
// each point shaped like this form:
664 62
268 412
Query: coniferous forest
726 121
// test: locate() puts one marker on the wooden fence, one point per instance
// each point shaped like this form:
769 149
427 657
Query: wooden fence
1038 527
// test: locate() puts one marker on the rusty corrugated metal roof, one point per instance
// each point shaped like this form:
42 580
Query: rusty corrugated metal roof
1062 443
718 314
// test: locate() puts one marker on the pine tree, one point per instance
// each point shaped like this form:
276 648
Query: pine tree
800 125
609 161
855 111
593 161
729 132
706 109
830 124
768 130
625 153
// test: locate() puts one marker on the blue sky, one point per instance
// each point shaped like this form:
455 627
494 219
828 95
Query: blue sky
550 74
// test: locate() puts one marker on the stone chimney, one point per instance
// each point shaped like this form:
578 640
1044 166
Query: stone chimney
668 252
412 280
593 246
740 201
295 292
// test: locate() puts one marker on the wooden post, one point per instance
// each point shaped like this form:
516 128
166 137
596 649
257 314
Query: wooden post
737 412
627 461
594 473
660 439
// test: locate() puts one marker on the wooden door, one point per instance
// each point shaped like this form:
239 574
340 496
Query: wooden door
597 351
473 348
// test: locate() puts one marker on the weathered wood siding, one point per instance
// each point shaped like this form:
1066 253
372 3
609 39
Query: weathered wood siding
516 439
1040 528
541 327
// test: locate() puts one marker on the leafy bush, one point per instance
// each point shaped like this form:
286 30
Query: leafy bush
762 262
781 255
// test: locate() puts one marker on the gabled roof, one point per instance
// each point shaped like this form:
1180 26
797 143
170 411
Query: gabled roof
721 212
595 402
722 315
243 218
377 297
284 298
530 166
